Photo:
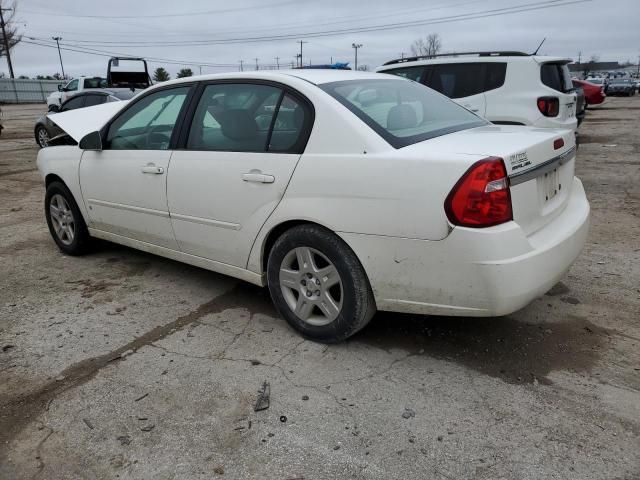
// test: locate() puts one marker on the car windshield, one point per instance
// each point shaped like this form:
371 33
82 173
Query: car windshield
401 111
621 82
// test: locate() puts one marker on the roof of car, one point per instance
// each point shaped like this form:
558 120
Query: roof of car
316 77
470 58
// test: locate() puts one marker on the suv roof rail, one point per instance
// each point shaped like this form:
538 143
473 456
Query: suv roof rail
505 53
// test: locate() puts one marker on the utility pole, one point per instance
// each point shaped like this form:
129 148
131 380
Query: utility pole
256 59
301 42
57 39
579 58
241 67
200 67
6 41
401 55
298 64
277 63
356 46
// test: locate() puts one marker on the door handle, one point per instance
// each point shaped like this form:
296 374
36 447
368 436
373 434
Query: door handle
151 168
258 177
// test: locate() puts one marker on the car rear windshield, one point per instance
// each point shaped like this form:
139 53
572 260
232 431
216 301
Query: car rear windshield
556 76
402 112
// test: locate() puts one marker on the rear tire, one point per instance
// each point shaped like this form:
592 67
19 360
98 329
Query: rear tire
318 284
66 225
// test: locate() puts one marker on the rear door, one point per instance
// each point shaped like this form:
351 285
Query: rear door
238 155
462 82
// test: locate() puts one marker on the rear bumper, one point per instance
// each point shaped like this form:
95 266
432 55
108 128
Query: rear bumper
473 272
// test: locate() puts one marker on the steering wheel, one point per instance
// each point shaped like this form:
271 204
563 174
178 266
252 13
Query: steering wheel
158 138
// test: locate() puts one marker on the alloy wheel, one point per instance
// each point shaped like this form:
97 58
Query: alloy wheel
62 219
311 286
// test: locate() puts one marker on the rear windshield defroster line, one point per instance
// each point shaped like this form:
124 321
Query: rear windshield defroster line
401 111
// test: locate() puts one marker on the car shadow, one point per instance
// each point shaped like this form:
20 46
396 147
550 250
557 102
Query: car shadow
502 347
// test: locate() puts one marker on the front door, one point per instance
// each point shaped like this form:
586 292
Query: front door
243 145
124 186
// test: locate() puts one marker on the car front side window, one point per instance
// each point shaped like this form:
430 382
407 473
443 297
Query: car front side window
72 86
149 123
234 117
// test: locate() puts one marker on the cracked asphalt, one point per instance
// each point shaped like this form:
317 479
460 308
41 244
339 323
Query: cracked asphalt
124 365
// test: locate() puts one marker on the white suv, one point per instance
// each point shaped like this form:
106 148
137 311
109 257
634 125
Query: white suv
507 88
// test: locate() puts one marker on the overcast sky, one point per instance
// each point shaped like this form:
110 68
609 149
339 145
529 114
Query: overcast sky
608 29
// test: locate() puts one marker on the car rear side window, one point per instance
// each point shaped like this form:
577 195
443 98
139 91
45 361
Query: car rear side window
92 100
411 73
457 80
495 75
402 112
556 76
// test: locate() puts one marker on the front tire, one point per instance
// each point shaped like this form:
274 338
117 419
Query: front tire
318 284
42 136
66 225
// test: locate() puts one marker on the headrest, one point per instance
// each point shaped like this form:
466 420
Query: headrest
237 124
401 116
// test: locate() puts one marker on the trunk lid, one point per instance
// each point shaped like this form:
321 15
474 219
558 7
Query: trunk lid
540 171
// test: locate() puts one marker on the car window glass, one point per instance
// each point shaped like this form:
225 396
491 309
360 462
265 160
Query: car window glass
556 76
412 73
148 124
72 85
457 80
94 100
233 117
96 82
495 75
289 126
72 104
400 111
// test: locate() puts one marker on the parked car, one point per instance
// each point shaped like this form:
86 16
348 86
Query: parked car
507 88
123 74
45 130
600 81
593 94
73 87
622 86
344 192
581 105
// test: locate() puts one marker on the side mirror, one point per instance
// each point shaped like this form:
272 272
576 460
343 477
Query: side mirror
54 108
59 87
91 141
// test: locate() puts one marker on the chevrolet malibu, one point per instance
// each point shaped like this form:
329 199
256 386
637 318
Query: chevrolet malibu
343 192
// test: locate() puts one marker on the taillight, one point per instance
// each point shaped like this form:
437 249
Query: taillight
481 198
549 106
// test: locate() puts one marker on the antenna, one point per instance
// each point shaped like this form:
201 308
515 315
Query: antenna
537 49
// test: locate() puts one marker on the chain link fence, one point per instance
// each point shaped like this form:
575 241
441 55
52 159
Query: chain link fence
26 90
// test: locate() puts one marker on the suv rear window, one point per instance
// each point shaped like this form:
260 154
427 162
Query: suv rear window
402 112
556 76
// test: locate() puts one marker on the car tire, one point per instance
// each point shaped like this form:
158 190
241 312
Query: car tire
318 284
42 136
65 222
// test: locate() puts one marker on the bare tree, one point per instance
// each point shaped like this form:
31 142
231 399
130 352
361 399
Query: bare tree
428 46
13 37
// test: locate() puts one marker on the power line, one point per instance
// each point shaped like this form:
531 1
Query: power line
539 5
165 15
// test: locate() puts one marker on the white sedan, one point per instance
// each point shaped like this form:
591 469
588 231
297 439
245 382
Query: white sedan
343 192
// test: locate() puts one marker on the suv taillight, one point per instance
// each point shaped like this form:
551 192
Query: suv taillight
481 198
549 106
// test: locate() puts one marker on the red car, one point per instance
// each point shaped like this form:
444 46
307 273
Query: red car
593 94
